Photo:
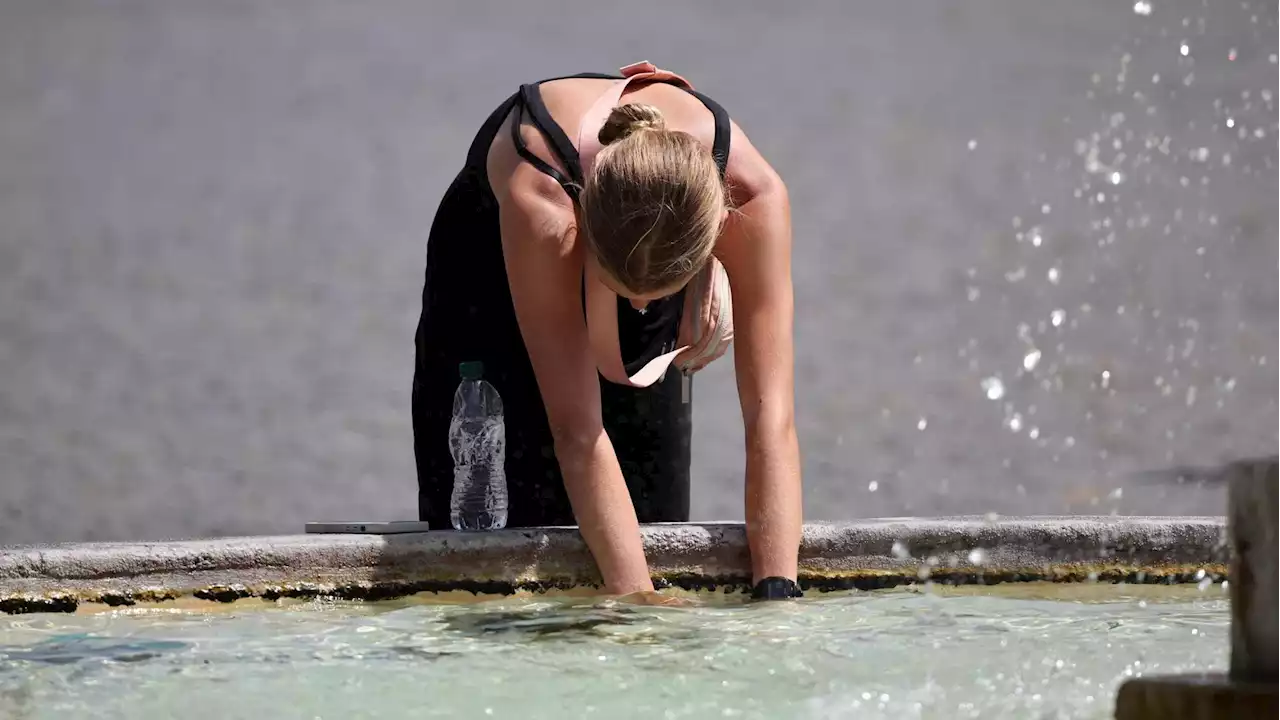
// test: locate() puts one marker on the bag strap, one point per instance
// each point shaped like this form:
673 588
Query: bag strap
594 118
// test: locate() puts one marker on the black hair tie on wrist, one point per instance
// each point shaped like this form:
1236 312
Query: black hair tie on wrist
776 588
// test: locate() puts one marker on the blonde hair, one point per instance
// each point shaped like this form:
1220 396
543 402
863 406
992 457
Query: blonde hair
654 201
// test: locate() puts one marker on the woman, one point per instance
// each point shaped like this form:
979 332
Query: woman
555 261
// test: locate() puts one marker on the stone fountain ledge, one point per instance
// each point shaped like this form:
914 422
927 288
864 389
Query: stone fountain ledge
851 555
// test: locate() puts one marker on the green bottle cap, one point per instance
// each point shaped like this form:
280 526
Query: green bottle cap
471 370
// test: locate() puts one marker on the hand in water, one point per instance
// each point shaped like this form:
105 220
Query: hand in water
653 597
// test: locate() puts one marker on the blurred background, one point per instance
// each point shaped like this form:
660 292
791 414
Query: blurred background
1035 246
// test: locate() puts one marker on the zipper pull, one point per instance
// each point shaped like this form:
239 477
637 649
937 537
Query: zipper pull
686 387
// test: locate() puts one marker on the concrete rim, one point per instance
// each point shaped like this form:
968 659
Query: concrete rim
849 555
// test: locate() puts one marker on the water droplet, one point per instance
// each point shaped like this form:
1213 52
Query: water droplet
1036 238
1117 177
1231 122
1015 422
873 486
993 387
1142 7
973 144
1185 49
972 293
1200 154
1016 275
1070 442
899 550
977 556
1033 433
1200 574
1030 360
1273 58
1231 55
1204 584
922 424
1046 209
1106 379
1230 384
1057 317
1055 275
1116 494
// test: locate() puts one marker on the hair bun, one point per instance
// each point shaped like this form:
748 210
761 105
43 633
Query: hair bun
630 118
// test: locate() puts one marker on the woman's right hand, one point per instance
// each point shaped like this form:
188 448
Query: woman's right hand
653 597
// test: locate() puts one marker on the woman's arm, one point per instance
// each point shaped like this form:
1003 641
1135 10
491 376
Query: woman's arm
544 271
755 249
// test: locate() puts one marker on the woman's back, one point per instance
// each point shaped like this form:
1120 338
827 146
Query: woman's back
567 100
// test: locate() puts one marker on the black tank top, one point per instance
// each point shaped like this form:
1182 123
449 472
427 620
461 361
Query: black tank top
642 335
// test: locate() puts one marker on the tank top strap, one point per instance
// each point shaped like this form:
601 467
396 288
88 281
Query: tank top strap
594 118
528 101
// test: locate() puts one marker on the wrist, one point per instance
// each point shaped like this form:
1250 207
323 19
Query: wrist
776 588
629 587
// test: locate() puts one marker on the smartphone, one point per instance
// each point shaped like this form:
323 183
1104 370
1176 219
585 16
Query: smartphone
384 527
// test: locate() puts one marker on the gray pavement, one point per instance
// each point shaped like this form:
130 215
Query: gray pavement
213 219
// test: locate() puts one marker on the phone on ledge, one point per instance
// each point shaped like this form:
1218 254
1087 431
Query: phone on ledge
385 527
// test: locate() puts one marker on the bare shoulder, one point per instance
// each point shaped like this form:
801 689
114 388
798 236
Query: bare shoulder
526 195
748 173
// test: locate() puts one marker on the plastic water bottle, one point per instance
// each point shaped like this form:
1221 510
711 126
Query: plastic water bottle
478 443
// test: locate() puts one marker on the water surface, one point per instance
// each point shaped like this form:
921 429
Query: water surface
1021 651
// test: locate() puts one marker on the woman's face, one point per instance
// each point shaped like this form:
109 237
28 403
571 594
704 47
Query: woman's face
637 300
